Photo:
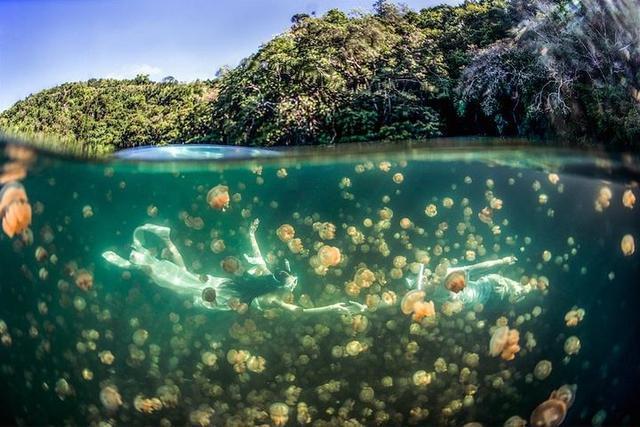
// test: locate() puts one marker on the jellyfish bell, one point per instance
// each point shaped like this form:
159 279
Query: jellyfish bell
83 279
218 197
15 210
209 295
409 300
423 309
329 256
455 281
566 393
110 398
627 244
498 340
231 265
550 413
285 233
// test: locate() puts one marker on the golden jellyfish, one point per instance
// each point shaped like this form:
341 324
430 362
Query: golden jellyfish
399 261
628 199
83 280
542 369
218 197
553 178
421 378
217 246
41 254
354 348
566 393
15 209
279 413
295 245
550 413
410 299
455 281
208 358
202 416
235 357
87 211
572 345
515 421
364 277
574 316
139 337
603 199
431 210
352 289
110 398
511 348
147 405
389 298
303 416
152 211
63 389
422 309
628 245
385 214
256 364
106 357
486 215
499 341
230 264
329 256
367 394
285 233
496 203
326 230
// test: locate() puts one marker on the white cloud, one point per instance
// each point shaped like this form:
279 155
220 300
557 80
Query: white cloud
146 69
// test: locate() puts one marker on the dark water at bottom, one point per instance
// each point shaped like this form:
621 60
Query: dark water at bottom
85 342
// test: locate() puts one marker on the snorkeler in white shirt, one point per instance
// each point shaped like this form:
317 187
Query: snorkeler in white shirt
458 283
258 287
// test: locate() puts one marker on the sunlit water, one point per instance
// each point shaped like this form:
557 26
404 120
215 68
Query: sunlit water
77 325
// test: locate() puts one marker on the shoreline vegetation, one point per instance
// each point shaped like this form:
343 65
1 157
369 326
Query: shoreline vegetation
548 69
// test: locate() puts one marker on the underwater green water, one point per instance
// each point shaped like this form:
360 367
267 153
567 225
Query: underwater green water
84 342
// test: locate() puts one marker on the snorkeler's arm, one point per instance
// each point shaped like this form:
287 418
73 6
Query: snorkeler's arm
164 234
351 307
256 257
509 260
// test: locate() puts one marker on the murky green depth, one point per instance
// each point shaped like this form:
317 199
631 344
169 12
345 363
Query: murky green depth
87 343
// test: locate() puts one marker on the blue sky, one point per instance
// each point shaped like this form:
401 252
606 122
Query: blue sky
47 42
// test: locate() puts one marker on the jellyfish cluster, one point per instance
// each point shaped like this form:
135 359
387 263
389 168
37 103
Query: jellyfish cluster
112 348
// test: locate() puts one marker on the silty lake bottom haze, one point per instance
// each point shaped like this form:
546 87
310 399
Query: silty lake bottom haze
100 326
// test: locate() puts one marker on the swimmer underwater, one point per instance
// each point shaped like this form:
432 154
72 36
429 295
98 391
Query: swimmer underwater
259 287
465 285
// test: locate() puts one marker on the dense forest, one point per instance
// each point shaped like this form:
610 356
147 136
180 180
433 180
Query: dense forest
559 69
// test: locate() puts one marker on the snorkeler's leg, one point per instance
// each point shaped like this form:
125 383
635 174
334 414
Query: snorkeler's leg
255 258
418 281
505 287
164 234
509 260
116 259
348 308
